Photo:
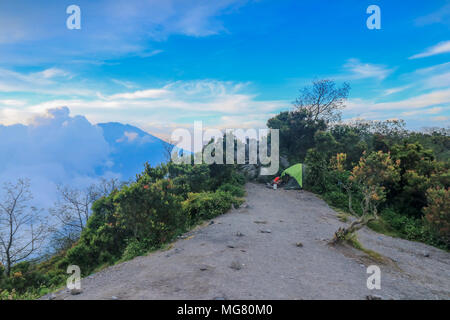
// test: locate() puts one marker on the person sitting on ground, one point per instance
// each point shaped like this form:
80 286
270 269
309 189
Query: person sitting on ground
278 181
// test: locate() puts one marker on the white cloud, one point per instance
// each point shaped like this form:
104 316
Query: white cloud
202 95
442 15
433 77
217 103
422 112
390 91
143 94
441 119
54 148
12 103
416 107
359 70
54 73
438 81
424 100
435 98
128 137
126 84
51 81
440 48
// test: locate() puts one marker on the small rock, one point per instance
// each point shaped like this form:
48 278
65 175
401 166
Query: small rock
114 298
231 246
235 265
239 234
299 244
260 222
52 297
75 292
211 222
284 162
426 254
204 268
219 298
265 231
373 297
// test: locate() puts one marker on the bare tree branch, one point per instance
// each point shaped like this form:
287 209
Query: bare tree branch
73 209
21 231
323 100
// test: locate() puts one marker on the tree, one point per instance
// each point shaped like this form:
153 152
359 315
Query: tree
369 178
323 100
106 186
297 131
169 148
437 212
73 210
417 166
21 231
74 206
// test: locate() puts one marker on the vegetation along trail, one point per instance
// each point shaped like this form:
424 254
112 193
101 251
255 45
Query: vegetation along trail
275 246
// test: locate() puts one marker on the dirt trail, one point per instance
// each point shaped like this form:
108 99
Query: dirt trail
253 253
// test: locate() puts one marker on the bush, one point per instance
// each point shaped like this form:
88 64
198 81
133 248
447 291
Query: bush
316 171
235 190
207 205
411 228
437 212
135 248
14 295
337 198
150 211
141 212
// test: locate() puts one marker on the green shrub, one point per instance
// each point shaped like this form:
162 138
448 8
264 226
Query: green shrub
337 198
135 248
437 212
235 190
207 205
316 171
412 228
14 295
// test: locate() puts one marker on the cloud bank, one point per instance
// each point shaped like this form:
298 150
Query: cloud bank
54 148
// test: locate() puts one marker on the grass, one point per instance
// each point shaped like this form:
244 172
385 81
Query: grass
343 216
383 227
352 239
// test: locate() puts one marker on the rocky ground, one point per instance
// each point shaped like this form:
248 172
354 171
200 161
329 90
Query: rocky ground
274 247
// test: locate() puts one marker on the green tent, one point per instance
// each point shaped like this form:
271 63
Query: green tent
296 172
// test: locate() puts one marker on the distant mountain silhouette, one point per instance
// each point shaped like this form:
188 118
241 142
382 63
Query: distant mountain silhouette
131 147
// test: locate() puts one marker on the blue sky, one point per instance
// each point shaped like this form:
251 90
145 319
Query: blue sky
161 65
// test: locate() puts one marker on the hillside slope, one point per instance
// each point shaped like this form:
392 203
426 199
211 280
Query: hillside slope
252 253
